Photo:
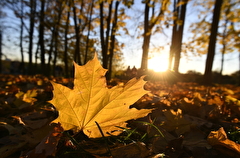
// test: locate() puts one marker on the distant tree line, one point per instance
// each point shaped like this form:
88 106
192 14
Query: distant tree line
67 30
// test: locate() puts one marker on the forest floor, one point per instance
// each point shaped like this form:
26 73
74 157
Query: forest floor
188 121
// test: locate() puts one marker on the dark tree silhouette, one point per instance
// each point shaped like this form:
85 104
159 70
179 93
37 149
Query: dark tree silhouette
207 78
41 36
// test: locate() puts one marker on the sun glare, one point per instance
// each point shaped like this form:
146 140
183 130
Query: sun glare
158 63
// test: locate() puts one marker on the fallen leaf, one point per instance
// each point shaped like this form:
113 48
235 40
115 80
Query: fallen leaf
24 100
198 121
10 145
91 101
28 96
34 120
47 147
195 138
219 140
132 150
175 121
232 99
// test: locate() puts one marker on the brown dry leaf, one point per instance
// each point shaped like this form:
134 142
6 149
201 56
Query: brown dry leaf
216 100
90 101
199 97
219 140
7 129
138 150
47 147
10 145
160 143
193 106
132 150
34 120
195 138
34 137
18 141
176 122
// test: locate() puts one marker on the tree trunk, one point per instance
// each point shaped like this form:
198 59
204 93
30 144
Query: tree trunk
173 43
146 38
55 54
113 32
0 51
31 32
51 48
109 18
59 16
36 55
105 40
22 65
88 34
77 57
207 78
239 68
41 37
66 46
104 55
180 28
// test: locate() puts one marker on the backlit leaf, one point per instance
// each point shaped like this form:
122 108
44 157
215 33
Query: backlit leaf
91 101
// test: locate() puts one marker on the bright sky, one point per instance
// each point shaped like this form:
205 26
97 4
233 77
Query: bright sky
195 63
133 49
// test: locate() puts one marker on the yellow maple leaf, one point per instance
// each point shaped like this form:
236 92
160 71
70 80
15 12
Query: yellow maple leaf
91 101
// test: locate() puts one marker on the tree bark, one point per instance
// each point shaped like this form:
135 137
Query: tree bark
22 65
66 46
0 51
182 11
104 57
51 48
77 57
36 55
109 18
177 34
207 78
88 34
41 37
31 32
239 68
56 34
105 40
112 46
173 42
146 38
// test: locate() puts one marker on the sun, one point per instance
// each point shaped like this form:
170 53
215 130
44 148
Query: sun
158 63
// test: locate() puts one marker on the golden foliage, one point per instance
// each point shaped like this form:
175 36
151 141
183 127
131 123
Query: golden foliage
90 101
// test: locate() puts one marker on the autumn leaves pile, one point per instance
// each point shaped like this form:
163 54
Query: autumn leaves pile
90 105
141 118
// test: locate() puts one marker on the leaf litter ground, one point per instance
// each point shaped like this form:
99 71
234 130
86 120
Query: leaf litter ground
188 120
